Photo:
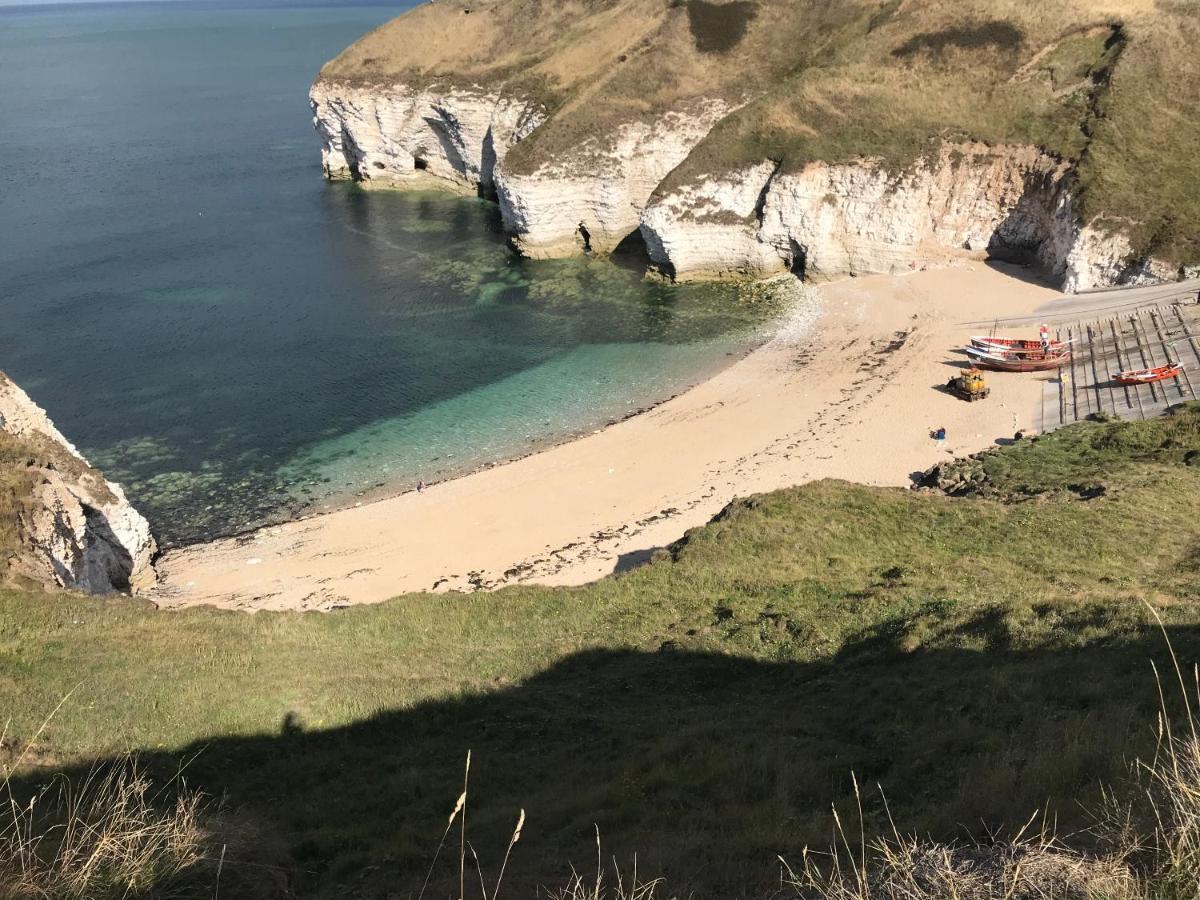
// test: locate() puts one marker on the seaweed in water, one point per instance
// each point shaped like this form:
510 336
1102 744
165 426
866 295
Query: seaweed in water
718 28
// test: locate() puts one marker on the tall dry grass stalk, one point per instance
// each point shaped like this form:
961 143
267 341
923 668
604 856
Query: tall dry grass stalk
464 847
598 887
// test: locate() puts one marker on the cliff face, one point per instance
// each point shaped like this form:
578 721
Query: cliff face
823 222
74 529
744 138
827 221
589 200
397 137
593 198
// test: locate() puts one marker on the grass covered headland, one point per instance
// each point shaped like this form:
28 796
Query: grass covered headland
1110 86
983 657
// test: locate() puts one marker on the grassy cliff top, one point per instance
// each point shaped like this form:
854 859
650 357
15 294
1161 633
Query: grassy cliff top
1113 85
979 656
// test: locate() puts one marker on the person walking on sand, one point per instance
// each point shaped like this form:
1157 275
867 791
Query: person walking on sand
420 487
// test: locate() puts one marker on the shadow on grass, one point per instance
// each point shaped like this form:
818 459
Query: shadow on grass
705 765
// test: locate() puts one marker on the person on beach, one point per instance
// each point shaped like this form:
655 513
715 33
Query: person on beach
420 487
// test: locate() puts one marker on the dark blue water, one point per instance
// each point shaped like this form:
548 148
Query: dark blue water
235 339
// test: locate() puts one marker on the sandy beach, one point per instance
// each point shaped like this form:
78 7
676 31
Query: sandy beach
848 389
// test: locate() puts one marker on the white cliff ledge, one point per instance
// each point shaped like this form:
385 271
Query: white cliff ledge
594 199
76 530
822 222
826 221
400 137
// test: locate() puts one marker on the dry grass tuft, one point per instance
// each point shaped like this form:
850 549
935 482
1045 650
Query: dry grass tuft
605 887
114 834
1173 795
608 888
1171 854
109 836
903 868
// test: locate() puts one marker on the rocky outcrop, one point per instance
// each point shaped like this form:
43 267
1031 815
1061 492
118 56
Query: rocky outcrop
832 220
712 229
826 221
1094 256
588 201
593 198
402 137
76 529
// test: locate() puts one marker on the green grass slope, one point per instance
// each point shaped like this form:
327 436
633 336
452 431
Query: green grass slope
980 656
1112 86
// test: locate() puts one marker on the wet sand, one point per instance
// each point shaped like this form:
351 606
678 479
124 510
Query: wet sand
848 389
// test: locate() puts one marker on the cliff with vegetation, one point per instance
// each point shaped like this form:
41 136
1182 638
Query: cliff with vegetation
62 525
743 138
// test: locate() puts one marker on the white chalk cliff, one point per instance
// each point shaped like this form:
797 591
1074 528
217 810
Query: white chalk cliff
594 199
401 137
831 220
823 221
78 530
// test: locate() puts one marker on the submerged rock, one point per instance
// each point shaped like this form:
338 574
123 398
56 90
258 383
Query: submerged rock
75 529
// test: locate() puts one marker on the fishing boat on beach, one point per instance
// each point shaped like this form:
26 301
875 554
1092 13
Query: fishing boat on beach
1015 344
1019 360
1149 376
1043 344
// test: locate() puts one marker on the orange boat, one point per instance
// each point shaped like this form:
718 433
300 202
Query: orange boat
1149 376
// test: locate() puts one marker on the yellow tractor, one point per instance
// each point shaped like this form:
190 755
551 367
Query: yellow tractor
969 385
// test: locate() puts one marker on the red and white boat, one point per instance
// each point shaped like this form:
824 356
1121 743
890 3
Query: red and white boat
1043 344
1014 344
1149 376
1020 360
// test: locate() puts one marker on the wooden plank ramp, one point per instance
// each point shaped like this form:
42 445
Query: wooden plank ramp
1133 338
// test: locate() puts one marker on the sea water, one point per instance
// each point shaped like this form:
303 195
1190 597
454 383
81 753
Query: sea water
236 340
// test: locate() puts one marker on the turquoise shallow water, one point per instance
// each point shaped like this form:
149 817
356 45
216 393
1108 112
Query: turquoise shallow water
236 340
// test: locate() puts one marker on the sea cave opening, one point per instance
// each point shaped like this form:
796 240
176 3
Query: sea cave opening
798 264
